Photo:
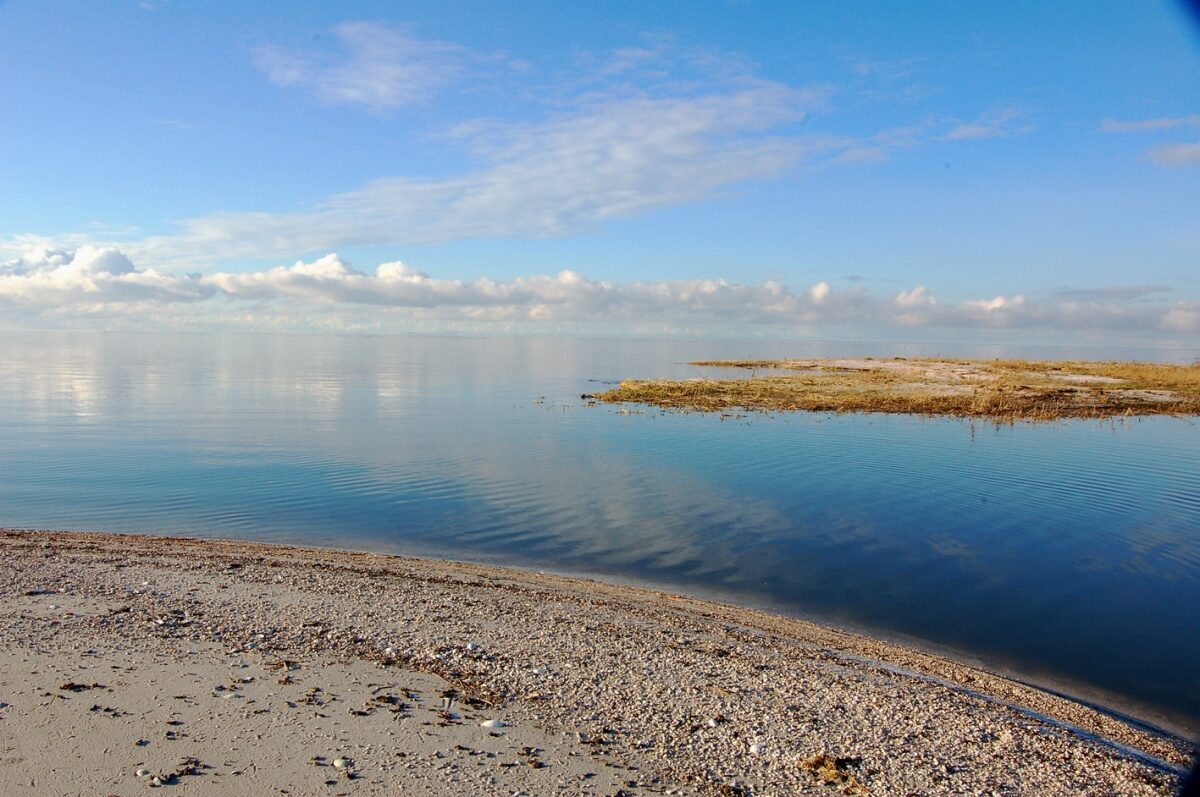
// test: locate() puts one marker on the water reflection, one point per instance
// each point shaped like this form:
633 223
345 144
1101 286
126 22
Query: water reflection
1071 549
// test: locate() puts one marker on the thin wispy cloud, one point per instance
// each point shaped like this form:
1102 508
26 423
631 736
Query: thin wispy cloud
691 126
1176 154
1125 293
1185 153
607 158
996 123
374 65
1148 125
611 158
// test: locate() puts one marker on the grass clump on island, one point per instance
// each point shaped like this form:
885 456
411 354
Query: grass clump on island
1000 390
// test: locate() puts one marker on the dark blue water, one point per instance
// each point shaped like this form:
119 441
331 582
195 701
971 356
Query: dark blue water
1068 552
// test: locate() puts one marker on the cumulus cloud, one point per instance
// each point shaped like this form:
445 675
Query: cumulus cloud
566 295
378 66
91 276
89 280
996 304
917 297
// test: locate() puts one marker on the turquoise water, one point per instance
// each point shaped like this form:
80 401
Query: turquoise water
1068 552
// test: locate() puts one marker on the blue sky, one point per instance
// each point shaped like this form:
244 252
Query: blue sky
774 168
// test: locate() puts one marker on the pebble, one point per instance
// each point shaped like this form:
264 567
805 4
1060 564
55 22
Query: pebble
770 687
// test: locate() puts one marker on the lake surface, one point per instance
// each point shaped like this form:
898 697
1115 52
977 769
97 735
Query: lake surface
1067 551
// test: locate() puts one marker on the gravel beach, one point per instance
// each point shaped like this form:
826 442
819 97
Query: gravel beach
201 667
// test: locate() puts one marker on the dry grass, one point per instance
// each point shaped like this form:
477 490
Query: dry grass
835 772
1000 390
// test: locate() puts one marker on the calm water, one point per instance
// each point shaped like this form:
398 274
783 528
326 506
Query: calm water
1067 551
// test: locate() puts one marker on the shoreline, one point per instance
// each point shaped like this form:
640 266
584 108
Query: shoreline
1122 709
706 696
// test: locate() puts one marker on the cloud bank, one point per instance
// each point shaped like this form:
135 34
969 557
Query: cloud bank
94 280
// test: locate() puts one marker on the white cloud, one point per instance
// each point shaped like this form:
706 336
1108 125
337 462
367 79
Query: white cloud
994 305
917 297
995 123
1145 125
1181 154
1183 317
614 150
96 280
565 296
1176 154
91 276
380 67
609 158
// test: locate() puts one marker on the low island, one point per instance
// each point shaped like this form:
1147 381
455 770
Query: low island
997 390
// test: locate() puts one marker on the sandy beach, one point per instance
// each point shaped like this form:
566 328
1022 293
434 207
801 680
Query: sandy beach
197 667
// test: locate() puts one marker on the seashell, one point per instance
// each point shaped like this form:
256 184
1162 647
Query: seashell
342 763
143 773
156 781
757 748
712 723
389 650
471 646
493 724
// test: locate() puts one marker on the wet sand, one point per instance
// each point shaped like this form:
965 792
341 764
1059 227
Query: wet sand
239 668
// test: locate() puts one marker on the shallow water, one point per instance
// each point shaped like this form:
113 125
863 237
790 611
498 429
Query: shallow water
1062 551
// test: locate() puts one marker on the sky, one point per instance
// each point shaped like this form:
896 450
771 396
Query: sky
866 170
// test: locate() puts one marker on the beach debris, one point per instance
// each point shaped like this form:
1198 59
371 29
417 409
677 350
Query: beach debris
142 773
757 748
156 781
834 771
493 724
473 646
341 762
71 686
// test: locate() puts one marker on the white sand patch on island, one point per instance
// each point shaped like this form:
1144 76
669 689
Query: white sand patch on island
240 668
